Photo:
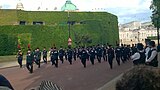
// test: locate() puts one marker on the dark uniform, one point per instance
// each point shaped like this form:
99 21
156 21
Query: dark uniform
20 58
83 57
70 55
141 60
55 58
118 54
52 56
104 54
154 62
110 56
99 54
61 54
45 55
75 53
65 54
29 61
38 57
92 55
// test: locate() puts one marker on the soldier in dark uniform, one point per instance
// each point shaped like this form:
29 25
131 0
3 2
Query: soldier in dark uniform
45 55
83 56
61 54
70 55
55 57
65 54
20 58
118 54
75 53
29 61
52 55
133 49
104 53
87 49
79 52
99 53
128 52
38 57
92 55
110 56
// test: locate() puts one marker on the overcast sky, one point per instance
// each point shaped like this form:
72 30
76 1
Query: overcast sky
126 10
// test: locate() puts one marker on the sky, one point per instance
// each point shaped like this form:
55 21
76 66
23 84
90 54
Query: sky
126 10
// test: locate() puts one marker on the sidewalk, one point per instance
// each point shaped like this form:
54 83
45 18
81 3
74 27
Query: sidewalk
10 64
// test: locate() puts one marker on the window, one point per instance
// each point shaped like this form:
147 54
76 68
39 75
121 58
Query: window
22 23
37 23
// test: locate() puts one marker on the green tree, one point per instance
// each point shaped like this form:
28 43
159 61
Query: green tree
155 7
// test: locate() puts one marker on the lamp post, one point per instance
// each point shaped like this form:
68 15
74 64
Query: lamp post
157 22
138 37
69 31
69 25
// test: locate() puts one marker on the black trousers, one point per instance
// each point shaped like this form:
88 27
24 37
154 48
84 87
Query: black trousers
20 62
110 61
30 67
118 59
38 62
75 57
52 60
83 61
45 59
92 60
104 57
70 60
66 57
99 58
56 63
61 58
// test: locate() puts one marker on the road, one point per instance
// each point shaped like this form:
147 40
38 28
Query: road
69 77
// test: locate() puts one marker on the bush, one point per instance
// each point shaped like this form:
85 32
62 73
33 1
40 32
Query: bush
140 78
8 44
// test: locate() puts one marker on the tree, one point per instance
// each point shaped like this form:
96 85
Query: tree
155 7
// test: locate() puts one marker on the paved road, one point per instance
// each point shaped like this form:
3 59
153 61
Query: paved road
69 77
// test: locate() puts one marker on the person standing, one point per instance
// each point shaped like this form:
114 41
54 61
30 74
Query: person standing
139 57
29 61
110 53
118 54
70 54
45 55
61 54
20 58
151 58
83 56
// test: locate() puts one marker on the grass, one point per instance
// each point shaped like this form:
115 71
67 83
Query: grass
8 58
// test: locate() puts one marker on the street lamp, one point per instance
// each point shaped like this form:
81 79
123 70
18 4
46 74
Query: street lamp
138 37
69 25
157 22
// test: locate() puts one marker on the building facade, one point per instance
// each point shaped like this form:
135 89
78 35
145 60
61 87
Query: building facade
132 34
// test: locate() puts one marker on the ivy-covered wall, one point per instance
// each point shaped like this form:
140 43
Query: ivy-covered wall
88 28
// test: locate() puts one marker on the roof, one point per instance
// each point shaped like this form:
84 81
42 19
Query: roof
69 6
